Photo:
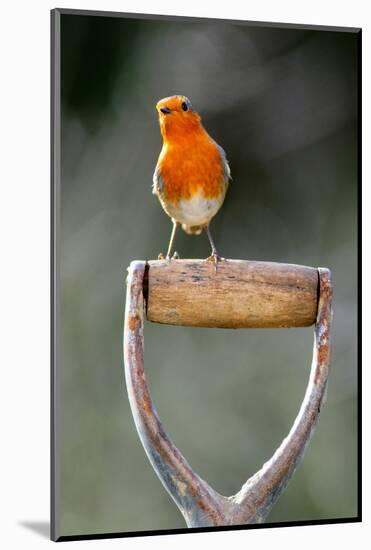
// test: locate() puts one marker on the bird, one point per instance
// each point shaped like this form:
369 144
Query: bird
192 173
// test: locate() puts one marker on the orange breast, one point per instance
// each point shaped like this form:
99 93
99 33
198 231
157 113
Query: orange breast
192 168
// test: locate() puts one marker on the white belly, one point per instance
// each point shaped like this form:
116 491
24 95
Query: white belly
195 211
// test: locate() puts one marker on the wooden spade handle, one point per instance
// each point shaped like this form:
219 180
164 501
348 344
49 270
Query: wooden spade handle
241 294
199 503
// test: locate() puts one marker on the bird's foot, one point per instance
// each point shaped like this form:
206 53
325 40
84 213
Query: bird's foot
215 259
175 256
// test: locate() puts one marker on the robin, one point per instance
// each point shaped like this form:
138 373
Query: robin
192 173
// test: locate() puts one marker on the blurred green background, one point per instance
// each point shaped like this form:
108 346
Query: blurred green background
283 104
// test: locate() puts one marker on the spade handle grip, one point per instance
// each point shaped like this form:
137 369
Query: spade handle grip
239 294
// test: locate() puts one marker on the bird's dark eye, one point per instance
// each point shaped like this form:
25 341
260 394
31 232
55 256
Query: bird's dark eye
184 106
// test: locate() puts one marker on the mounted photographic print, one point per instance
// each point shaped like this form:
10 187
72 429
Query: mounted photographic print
205 210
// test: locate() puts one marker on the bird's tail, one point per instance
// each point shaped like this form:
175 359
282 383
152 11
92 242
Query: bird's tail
192 229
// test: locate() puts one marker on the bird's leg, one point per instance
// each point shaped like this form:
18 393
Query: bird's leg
214 253
172 236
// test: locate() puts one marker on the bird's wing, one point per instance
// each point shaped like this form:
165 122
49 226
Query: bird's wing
226 169
158 182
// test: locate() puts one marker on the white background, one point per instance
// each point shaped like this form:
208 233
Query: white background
24 165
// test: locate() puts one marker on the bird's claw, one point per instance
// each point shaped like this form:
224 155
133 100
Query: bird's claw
215 258
175 256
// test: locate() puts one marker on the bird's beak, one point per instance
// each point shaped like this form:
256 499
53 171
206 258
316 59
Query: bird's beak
165 110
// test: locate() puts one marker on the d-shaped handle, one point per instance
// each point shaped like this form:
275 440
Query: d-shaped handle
239 294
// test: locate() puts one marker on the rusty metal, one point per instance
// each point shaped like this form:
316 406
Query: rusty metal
200 505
